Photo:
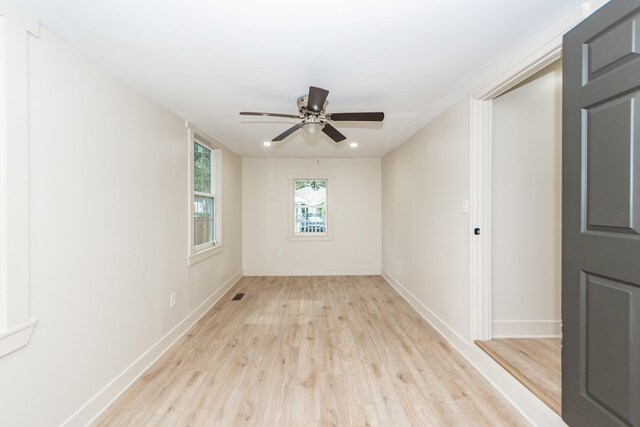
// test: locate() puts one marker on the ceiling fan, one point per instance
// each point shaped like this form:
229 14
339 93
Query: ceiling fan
311 109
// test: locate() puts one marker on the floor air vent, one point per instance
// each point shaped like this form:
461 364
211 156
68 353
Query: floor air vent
238 297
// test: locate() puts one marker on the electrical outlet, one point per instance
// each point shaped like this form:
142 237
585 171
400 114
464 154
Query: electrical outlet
279 252
172 300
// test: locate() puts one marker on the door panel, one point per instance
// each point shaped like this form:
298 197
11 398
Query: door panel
610 316
613 159
601 219
614 47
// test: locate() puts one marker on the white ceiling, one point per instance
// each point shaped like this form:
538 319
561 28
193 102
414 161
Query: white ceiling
208 60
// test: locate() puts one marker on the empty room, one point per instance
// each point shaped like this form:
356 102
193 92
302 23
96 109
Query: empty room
347 213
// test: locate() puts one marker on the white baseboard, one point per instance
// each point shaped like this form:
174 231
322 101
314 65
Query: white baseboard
526 329
531 408
91 410
365 271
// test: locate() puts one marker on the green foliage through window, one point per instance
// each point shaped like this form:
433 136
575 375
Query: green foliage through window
201 168
204 199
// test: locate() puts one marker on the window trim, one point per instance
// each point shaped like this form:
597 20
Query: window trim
206 250
16 323
213 159
310 237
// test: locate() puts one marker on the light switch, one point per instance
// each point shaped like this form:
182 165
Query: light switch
465 206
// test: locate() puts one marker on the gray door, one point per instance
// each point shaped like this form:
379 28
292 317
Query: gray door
601 219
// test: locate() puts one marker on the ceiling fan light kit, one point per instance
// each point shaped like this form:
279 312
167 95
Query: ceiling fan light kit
312 112
312 125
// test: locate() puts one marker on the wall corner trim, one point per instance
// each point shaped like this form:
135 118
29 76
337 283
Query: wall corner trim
96 405
532 409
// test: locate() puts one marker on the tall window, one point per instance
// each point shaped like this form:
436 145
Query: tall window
204 195
310 206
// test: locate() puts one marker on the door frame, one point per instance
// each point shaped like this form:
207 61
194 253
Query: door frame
546 50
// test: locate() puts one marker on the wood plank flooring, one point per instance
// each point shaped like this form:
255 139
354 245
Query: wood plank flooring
307 351
535 362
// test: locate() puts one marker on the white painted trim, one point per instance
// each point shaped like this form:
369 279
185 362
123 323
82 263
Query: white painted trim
20 18
204 254
525 402
14 179
91 410
311 238
364 271
540 54
544 51
16 338
527 329
480 203
4 244
311 175
215 143
538 60
291 236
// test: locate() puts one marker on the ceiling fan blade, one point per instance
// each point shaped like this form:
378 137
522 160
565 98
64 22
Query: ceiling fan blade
356 117
317 97
252 113
288 132
333 133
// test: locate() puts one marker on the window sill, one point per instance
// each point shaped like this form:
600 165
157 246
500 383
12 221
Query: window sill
321 238
16 338
204 254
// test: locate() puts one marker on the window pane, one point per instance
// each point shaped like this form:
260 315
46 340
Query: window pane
201 168
203 216
310 206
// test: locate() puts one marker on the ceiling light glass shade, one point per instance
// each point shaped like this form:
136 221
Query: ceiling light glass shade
312 128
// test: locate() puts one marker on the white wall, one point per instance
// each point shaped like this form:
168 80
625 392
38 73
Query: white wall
526 207
425 235
108 236
355 218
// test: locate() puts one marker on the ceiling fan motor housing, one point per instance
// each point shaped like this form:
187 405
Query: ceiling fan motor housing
302 107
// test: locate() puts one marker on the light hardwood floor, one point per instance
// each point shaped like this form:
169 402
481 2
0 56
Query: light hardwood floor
306 351
535 362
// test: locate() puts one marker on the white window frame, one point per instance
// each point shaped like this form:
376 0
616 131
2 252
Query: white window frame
16 323
309 237
210 195
204 251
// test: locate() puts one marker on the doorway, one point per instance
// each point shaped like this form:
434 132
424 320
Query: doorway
526 183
